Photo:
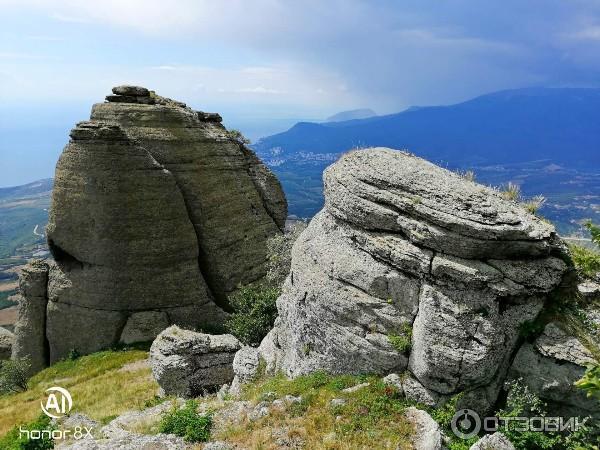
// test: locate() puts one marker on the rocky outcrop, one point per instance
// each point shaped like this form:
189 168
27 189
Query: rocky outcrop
7 340
412 267
188 364
233 201
30 328
551 365
157 216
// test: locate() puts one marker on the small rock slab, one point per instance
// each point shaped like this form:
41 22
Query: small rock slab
428 435
188 364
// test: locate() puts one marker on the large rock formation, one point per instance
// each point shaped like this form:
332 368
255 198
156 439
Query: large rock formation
410 267
157 216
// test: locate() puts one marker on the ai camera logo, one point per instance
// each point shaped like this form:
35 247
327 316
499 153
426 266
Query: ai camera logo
466 423
58 402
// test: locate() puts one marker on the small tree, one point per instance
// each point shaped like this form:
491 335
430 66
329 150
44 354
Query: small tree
591 381
13 375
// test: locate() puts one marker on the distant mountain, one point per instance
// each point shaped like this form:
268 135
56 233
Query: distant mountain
34 188
504 127
547 140
353 114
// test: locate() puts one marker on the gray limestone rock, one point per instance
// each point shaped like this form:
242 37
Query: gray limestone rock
186 363
410 266
157 215
30 328
144 326
427 434
549 368
131 90
496 441
246 364
233 201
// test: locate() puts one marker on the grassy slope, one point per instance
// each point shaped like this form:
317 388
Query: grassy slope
372 417
100 389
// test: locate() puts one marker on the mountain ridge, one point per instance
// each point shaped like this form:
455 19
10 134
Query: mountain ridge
534 123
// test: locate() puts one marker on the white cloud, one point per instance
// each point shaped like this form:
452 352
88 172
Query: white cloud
591 33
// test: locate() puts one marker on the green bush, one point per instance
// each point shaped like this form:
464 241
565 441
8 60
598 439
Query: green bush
521 402
401 342
586 261
591 381
594 231
13 440
13 375
254 313
187 423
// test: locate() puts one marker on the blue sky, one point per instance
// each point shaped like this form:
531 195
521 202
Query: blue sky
264 64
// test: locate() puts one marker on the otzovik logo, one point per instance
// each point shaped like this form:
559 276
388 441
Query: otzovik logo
58 402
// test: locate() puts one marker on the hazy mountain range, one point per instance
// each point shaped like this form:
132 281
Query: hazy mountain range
546 140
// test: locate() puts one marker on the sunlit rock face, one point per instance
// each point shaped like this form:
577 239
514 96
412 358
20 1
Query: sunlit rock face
411 268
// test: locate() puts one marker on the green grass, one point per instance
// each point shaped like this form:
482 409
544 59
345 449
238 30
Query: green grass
187 423
371 417
402 342
99 389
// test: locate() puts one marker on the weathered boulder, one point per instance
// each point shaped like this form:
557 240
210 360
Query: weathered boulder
187 364
411 266
30 328
551 365
7 340
157 216
246 365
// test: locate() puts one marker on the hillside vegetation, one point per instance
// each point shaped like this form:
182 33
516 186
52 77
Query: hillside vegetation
103 385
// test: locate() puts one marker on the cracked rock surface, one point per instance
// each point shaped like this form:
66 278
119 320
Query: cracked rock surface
157 216
411 267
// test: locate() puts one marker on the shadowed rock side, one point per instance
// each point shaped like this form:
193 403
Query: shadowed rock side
155 214
411 267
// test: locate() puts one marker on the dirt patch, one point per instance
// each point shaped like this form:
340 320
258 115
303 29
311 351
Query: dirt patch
135 366
8 316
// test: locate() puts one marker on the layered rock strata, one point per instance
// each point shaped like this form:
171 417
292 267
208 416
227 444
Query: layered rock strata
188 364
410 267
157 216
30 329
